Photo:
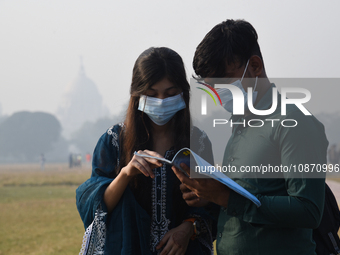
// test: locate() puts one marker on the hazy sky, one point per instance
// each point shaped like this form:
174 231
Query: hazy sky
42 41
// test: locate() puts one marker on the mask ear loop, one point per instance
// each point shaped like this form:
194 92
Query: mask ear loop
183 99
255 82
245 69
146 129
144 104
245 73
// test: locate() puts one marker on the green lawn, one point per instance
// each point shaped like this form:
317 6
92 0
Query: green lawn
38 214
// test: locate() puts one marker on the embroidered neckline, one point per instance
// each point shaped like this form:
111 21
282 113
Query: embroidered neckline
159 222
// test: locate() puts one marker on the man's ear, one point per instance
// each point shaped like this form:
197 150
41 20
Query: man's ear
255 66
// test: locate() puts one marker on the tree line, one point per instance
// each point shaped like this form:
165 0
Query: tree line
25 136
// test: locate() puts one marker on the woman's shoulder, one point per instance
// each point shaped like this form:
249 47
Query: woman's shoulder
112 134
115 129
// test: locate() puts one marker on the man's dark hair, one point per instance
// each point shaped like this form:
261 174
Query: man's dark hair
230 42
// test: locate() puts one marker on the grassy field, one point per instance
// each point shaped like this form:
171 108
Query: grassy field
38 213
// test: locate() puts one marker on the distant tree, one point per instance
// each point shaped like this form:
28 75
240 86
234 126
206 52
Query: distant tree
86 138
59 152
2 118
25 135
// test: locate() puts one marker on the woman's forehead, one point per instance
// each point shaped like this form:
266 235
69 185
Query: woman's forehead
163 84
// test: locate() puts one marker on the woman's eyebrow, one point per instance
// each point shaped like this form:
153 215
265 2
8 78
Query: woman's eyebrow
173 87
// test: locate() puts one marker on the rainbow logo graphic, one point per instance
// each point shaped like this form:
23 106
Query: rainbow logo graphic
209 93
204 99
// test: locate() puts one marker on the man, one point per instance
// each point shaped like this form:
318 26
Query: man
291 205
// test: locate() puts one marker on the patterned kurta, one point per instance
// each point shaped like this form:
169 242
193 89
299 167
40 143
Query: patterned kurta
131 228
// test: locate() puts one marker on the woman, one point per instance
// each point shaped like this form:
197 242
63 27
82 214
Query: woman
135 203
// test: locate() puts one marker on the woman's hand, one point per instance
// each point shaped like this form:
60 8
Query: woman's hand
176 240
138 165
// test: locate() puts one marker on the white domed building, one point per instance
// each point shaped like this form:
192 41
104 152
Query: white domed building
81 102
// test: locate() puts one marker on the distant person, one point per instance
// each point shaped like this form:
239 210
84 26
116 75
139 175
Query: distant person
74 160
146 213
79 160
42 162
88 158
70 160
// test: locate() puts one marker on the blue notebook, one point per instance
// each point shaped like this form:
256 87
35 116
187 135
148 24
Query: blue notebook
191 159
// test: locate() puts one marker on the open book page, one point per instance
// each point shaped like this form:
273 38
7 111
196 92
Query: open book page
193 160
158 158
212 172
182 156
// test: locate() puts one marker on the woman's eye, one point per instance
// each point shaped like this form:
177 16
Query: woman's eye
171 94
151 94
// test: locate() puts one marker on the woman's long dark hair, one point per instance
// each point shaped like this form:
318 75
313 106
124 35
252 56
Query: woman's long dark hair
152 66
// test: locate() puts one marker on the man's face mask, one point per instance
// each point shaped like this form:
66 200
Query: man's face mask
227 97
160 111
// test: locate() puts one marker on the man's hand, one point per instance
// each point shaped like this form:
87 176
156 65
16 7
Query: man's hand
190 197
208 189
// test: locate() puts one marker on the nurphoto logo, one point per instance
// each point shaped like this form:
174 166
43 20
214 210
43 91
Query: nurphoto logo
239 105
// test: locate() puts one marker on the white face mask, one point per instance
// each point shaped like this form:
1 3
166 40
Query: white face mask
160 111
227 97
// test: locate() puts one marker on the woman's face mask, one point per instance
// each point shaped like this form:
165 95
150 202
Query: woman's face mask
227 97
161 111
